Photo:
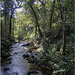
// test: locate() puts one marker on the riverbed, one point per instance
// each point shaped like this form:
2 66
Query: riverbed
20 66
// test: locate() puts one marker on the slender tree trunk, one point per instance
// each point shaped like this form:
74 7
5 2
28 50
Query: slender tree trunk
63 22
44 20
52 13
37 24
13 29
1 27
61 12
5 25
64 33
35 30
19 34
44 16
10 27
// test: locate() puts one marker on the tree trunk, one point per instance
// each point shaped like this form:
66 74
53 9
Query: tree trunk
37 24
13 29
44 16
61 12
1 27
5 25
10 27
52 13
19 34
64 36
63 21
35 30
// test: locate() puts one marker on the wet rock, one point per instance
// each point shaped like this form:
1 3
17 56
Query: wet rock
26 55
26 44
9 58
32 73
15 42
35 72
10 54
10 62
31 61
30 51
32 56
13 47
35 53
5 69
39 72
35 47
15 52
27 58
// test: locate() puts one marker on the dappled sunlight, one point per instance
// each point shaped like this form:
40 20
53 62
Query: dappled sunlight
38 50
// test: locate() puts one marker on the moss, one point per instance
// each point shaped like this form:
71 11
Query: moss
5 44
9 58
5 54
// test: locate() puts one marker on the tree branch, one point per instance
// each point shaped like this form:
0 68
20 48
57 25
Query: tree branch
42 2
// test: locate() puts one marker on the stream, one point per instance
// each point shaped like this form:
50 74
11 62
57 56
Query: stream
20 66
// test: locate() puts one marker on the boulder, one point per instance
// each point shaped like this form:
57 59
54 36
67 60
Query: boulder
5 69
26 44
26 55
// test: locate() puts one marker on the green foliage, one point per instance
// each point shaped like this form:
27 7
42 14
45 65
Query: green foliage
62 65
30 2
57 61
4 54
5 43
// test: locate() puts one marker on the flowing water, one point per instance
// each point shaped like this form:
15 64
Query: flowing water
18 65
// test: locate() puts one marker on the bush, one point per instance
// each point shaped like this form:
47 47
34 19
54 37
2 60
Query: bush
60 64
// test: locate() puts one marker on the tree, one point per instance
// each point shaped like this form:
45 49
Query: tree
12 8
64 33
52 13
44 15
63 18
5 14
30 4
37 24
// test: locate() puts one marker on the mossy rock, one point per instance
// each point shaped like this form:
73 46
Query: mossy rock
6 50
32 73
5 54
26 56
30 51
9 58
32 56
31 61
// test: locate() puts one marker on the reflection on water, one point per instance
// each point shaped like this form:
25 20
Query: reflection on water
20 66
